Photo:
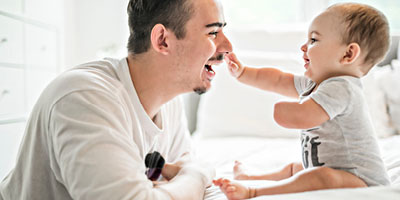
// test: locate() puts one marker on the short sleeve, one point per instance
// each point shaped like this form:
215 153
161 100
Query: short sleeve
334 96
302 84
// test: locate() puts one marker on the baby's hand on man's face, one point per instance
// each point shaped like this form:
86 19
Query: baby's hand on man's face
235 67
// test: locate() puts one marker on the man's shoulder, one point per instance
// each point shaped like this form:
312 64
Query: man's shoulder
93 75
100 76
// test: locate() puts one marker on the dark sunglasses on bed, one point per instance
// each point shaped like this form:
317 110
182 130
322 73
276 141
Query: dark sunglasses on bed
154 163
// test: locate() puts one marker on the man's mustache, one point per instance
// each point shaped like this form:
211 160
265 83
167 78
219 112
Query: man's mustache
218 57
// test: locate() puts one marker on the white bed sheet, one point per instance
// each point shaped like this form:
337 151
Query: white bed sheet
264 154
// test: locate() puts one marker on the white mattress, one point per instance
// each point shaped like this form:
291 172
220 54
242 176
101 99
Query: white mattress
265 154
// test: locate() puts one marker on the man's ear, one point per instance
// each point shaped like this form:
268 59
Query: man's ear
353 51
160 38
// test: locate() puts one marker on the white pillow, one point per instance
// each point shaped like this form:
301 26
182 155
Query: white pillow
398 51
231 108
376 100
389 82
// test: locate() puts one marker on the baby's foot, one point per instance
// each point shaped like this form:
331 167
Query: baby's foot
238 171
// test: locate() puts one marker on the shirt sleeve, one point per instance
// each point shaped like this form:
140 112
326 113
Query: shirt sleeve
302 84
334 96
92 143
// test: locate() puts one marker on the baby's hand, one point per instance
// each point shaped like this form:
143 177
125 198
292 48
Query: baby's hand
232 190
234 66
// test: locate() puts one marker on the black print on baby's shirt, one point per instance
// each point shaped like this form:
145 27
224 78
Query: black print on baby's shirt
314 151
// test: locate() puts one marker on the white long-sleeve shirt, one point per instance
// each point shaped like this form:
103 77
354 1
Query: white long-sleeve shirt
87 138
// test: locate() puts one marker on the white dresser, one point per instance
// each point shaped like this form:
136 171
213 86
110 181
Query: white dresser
30 58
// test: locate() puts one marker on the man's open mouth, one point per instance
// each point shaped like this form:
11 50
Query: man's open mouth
209 72
209 68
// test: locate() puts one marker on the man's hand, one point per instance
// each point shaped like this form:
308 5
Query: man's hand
205 172
235 67
191 179
169 171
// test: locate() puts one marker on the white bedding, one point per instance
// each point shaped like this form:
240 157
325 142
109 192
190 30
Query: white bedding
264 154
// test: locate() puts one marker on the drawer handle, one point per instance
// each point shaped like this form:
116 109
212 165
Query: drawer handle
3 40
4 93
43 48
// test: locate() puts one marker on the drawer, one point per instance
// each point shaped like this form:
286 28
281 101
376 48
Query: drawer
37 81
12 99
11 40
13 6
10 140
41 47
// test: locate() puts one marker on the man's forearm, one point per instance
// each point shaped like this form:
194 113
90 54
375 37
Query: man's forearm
170 170
187 184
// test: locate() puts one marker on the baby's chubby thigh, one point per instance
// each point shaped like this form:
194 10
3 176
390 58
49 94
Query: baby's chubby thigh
328 178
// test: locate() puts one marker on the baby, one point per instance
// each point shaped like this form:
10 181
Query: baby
339 148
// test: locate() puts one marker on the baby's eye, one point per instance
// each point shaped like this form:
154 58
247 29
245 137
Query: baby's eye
313 40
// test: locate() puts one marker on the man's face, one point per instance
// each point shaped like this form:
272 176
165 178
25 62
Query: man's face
203 46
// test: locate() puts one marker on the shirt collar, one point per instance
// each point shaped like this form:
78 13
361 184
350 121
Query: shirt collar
147 123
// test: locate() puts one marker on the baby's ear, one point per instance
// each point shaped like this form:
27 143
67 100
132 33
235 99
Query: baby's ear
353 51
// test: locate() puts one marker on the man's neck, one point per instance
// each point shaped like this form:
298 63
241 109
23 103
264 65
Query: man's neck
151 84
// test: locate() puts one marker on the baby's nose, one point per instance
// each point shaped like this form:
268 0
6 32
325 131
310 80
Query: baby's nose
304 47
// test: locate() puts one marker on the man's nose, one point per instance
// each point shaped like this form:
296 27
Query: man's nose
224 45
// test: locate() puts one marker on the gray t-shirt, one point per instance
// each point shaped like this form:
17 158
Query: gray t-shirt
347 140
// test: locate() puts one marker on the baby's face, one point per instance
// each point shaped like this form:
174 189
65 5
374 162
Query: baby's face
324 47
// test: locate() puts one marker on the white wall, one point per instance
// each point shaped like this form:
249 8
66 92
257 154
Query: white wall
93 29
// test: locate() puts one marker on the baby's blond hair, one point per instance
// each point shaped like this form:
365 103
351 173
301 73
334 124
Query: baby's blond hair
366 26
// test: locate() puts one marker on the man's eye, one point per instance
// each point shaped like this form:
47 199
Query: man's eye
214 34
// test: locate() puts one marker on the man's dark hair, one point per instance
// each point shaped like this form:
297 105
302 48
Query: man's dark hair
145 14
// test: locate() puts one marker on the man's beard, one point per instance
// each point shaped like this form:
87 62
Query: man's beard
200 90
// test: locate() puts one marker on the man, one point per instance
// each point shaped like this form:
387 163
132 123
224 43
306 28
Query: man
92 128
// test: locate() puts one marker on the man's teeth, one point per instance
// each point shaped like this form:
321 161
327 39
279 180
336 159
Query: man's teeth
208 68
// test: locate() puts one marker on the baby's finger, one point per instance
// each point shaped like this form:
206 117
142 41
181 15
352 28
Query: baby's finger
226 181
217 182
231 64
233 57
233 67
227 59
221 183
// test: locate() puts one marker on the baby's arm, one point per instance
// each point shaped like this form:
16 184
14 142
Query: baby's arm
300 115
269 79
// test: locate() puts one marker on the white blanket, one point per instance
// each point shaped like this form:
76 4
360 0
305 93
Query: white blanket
267 154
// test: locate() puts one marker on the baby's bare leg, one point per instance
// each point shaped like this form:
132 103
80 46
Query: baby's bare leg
314 179
288 171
